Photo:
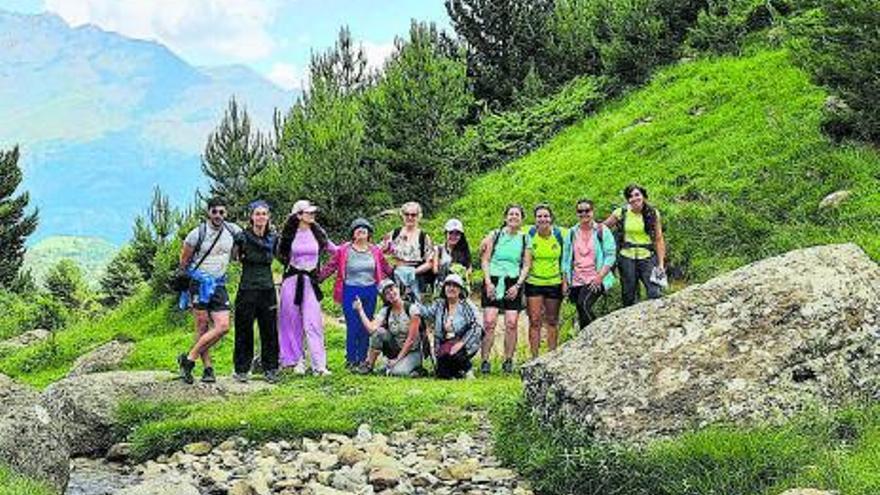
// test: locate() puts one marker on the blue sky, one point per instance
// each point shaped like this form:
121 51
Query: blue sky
275 37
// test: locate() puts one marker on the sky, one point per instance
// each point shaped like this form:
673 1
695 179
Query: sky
274 37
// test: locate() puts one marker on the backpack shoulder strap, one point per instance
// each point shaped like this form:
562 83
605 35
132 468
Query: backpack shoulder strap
532 231
557 233
395 233
423 241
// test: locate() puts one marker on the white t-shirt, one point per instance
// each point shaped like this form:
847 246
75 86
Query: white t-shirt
217 261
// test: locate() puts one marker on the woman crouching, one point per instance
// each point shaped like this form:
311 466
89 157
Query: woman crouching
394 333
457 330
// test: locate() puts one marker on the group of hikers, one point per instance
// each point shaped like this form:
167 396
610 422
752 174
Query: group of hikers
426 313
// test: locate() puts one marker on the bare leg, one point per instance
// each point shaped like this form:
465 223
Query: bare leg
211 337
490 316
510 333
535 309
551 321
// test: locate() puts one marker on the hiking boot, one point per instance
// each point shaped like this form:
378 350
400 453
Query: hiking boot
363 369
507 366
208 376
485 368
240 377
300 368
271 376
469 375
186 368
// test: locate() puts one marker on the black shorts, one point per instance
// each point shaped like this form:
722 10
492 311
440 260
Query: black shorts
219 300
515 304
545 291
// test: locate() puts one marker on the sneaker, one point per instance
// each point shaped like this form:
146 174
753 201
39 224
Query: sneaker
469 375
322 372
363 369
186 368
208 376
485 368
300 368
240 377
271 376
507 366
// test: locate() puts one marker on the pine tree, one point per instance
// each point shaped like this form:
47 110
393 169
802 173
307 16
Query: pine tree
504 38
344 66
121 278
153 231
234 154
65 282
15 225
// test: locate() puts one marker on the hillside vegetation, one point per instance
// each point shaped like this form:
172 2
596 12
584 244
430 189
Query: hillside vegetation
91 253
731 152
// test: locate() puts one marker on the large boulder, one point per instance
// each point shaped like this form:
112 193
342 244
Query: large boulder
31 441
107 357
758 344
24 340
86 405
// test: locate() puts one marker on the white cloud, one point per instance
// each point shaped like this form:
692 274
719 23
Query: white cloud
288 76
377 53
237 30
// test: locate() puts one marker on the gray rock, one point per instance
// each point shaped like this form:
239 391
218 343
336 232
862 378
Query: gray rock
32 442
24 340
119 452
107 357
760 343
86 405
198 448
834 200
163 485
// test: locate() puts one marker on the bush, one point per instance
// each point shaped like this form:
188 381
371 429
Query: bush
839 44
723 26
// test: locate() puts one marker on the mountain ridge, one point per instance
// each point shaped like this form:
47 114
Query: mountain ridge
102 118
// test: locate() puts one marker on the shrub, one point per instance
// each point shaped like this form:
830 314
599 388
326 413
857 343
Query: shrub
839 43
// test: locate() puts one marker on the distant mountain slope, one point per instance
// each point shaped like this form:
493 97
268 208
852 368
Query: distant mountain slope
731 152
91 254
101 118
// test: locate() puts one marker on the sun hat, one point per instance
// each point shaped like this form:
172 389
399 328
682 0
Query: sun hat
303 206
454 224
454 278
385 284
360 223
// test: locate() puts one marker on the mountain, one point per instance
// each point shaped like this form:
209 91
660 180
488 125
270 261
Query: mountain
91 254
102 118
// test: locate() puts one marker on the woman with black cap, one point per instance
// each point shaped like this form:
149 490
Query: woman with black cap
359 267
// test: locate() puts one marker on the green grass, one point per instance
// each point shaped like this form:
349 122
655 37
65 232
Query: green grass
14 484
730 151
832 452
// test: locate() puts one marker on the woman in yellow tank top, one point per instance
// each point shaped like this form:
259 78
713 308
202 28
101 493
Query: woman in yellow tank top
643 247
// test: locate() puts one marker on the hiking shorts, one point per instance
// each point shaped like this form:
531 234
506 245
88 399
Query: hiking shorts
219 300
505 304
545 291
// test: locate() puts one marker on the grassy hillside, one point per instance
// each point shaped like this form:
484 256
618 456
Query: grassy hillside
730 151
91 253
13 484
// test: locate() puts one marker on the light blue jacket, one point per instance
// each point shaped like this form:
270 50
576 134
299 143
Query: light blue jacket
606 253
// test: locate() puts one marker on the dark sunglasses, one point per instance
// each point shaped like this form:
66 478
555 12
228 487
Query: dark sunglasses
584 211
410 214
218 211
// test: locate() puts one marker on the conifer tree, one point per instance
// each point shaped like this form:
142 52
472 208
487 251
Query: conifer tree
121 277
235 153
504 38
15 224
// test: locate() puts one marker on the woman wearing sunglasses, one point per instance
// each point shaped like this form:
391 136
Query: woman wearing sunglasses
587 261
411 253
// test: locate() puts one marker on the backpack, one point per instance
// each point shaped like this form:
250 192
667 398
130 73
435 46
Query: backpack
423 329
600 235
557 233
423 241
620 234
203 232
497 235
